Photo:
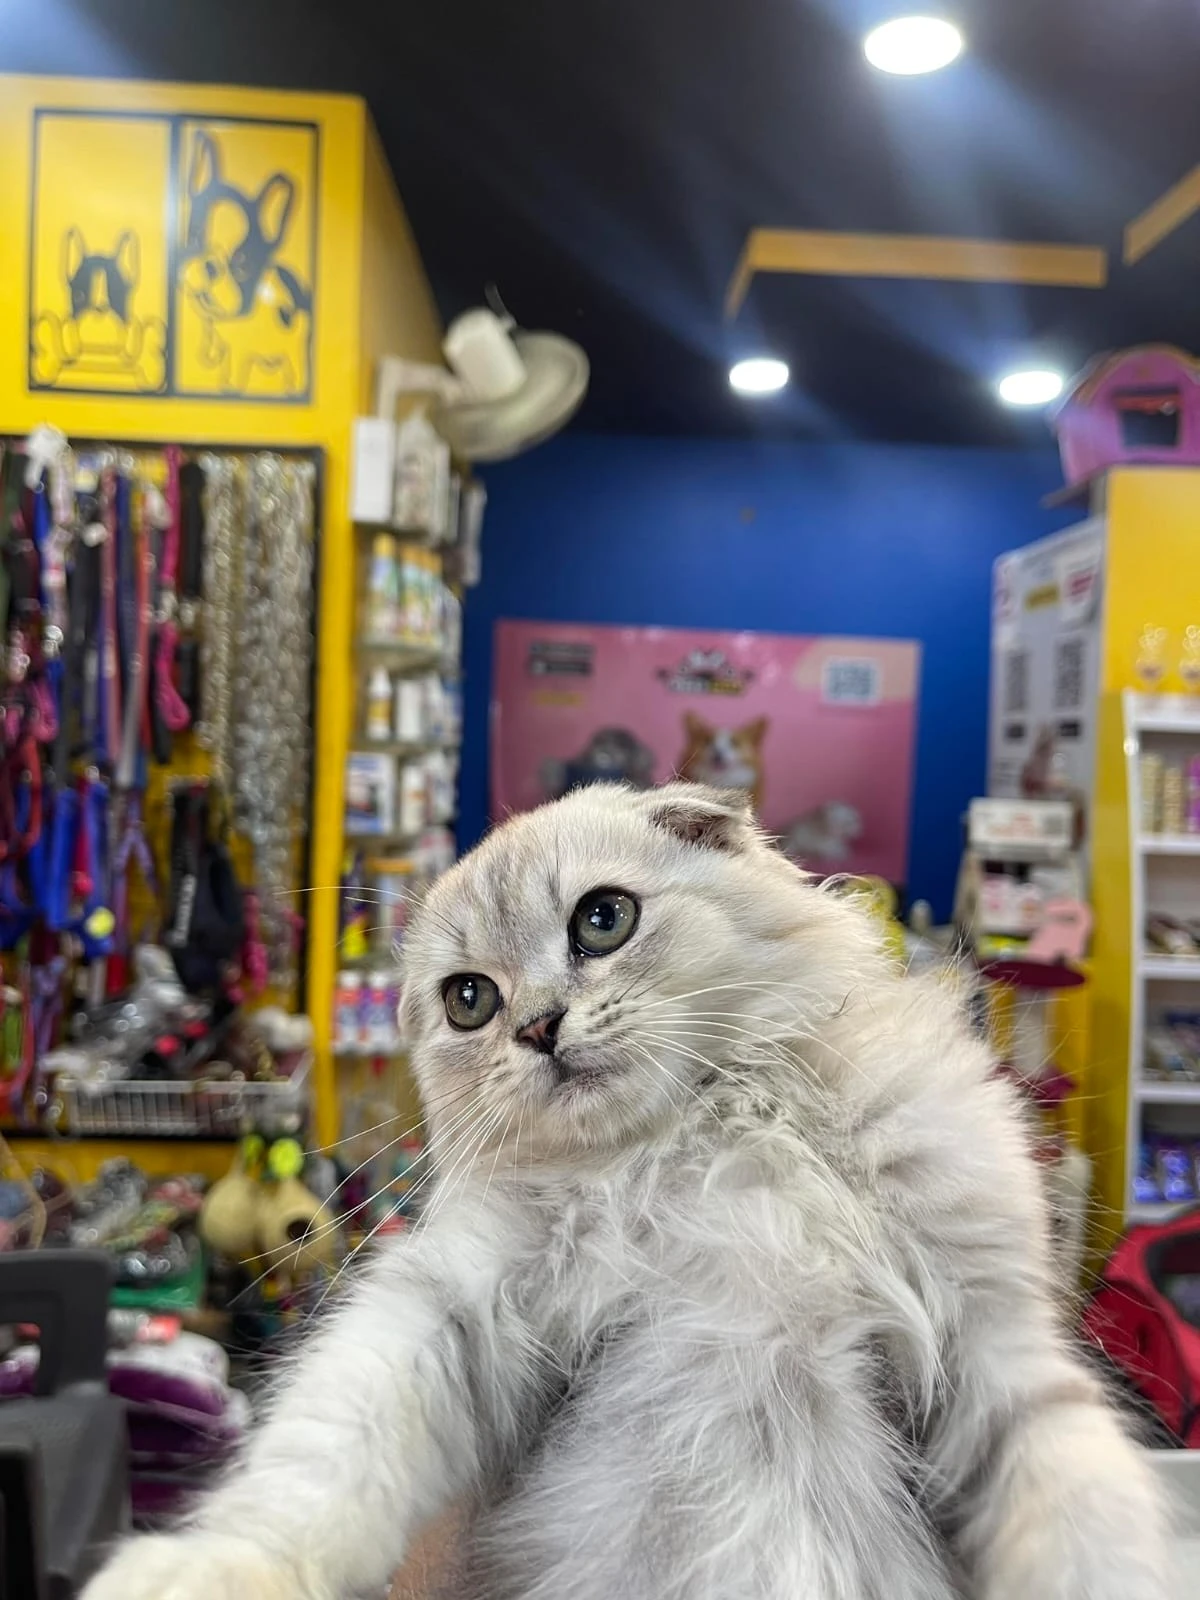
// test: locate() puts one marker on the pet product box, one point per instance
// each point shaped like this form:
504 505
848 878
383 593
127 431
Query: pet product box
1045 670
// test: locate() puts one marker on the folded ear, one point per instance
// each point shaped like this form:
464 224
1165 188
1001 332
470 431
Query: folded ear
710 819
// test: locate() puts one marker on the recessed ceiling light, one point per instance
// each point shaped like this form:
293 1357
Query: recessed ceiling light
909 45
1036 387
759 375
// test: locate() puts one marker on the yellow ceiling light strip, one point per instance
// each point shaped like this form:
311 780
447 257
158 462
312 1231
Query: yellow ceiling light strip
1169 211
900 255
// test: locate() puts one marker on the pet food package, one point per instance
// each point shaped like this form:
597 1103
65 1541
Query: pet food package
373 470
422 494
414 798
396 882
410 710
370 793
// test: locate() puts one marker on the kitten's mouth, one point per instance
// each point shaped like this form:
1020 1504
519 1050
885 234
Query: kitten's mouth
571 1075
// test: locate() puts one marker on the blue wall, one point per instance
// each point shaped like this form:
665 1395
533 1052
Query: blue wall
788 538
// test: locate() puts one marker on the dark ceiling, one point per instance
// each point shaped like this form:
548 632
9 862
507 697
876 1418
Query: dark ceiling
601 161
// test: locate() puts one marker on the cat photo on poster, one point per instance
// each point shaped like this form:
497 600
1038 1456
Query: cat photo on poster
818 732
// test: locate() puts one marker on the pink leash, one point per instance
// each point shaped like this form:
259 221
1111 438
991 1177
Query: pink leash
171 706
110 681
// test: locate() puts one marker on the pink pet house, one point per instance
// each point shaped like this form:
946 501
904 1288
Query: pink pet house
1139 406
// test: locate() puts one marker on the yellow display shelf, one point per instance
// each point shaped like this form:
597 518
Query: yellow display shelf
133 197
1151 576
80 1159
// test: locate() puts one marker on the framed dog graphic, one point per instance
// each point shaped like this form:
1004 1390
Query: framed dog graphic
203 286
99 334
98 302
243 289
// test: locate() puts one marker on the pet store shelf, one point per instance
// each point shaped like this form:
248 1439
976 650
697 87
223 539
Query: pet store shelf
398 841
408 750
1154 1093
1170 844
1163 713
1156 966
1154 1210
402 656
1150 1102
364 1052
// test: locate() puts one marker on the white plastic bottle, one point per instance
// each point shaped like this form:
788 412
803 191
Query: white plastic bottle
379 1014
410 727
379 705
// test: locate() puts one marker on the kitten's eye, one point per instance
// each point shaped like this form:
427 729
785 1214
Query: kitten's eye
603 920
470 1000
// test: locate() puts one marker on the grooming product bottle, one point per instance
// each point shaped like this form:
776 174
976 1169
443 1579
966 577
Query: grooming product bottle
383 583
379 705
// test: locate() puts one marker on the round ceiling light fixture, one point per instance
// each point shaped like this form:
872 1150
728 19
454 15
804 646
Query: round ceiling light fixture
907 46
759 375
1036 386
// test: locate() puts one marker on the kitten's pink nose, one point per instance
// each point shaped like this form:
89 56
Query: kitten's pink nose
542 1033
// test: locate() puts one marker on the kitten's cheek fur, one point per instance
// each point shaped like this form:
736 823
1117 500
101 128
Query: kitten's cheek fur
200 1566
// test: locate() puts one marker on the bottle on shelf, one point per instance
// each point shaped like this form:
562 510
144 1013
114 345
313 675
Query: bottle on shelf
347 1011
379 705
380 1004
410 728
422 478
383 588
414 798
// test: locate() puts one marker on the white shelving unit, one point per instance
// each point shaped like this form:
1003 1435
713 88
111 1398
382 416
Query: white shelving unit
1164 877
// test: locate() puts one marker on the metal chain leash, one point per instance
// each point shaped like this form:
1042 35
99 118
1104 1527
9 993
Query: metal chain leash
222 595
271 732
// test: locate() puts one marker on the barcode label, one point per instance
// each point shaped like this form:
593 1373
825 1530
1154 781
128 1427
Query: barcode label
1016 682
849 682
1068 674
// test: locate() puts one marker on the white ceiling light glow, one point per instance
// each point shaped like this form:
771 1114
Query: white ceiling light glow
911 45
1036 387
759 375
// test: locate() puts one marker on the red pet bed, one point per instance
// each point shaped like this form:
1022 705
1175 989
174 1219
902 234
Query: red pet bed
1145 1316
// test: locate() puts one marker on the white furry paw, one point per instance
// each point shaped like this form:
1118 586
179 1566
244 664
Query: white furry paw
196 1566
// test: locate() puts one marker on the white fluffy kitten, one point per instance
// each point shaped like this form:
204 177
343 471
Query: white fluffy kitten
734 1286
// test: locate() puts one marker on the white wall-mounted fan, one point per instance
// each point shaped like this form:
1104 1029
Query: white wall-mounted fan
503 390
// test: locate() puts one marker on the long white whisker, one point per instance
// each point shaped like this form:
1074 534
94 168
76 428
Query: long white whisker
667 1073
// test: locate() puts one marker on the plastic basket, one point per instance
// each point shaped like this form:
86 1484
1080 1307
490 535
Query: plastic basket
165 1110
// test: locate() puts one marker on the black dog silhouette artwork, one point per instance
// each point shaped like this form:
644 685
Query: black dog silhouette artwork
250 316
100 338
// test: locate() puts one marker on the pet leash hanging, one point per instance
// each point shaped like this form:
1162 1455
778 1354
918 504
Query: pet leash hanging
174 714
131 849
79 718
271 729
110 667
190 584
222 566
138 674
24 707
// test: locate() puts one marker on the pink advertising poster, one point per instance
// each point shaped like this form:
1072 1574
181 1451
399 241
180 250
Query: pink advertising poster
820 731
